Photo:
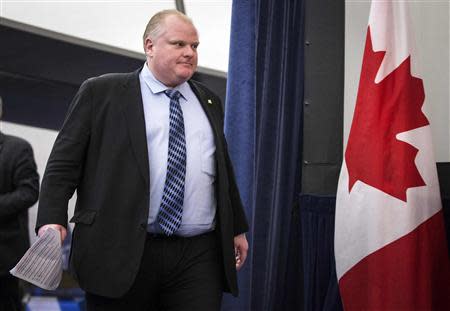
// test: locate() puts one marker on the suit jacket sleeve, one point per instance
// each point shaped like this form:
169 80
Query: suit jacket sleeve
66 160
25 182
239 220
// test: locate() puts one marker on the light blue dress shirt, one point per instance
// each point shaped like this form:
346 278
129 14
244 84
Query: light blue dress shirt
199 206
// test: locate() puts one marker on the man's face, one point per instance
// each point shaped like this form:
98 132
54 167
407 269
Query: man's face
172 57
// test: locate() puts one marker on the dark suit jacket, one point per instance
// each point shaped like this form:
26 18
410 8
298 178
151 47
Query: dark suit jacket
19 190
101 151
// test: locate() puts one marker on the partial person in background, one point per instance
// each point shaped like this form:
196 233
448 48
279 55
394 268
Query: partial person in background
19 190
159 224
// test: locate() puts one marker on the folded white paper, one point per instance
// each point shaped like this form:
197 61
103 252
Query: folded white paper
42 263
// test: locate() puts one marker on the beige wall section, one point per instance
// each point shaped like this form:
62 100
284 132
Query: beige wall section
213 21
431 27
121 23
432 37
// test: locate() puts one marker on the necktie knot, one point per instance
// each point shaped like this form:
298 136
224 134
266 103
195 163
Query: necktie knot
172 94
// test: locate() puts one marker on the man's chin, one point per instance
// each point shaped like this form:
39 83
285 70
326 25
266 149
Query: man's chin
186 75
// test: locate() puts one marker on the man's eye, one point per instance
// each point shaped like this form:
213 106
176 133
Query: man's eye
194 46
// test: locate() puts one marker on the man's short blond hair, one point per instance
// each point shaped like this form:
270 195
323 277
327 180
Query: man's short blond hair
155 26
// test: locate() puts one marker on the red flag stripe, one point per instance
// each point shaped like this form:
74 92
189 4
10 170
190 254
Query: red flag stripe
411 273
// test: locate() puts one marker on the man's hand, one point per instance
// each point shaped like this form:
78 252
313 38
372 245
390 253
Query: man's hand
62 230
240 250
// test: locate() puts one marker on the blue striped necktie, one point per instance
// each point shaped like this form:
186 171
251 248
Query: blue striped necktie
171 209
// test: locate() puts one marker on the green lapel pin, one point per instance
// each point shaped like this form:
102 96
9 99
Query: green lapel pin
210 101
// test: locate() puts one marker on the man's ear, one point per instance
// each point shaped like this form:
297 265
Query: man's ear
148 46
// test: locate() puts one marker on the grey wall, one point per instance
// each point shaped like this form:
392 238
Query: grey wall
324 87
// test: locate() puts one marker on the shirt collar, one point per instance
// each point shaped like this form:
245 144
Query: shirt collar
157 86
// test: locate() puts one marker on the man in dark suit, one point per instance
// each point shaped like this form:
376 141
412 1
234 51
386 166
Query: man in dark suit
159 223
19 190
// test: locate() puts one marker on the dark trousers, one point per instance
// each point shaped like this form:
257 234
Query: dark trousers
10 298
176 273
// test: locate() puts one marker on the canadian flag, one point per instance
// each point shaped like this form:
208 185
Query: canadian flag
390 243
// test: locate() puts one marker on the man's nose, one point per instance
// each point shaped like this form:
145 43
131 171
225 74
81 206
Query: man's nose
189 51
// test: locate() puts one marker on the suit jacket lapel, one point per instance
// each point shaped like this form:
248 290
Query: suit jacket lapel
207 106
132 106
131 100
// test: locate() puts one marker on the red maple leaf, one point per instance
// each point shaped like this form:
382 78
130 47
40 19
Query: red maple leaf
374 155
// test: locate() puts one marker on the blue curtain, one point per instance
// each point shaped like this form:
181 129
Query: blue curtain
263 128
240 128
316 250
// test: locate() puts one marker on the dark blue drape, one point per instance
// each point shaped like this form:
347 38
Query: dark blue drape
263 128
240 127
312 241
